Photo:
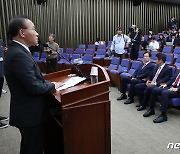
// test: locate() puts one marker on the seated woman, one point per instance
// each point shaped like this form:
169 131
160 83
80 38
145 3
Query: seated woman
153 45
161 41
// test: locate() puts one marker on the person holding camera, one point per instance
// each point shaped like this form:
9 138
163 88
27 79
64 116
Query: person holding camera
136 42
52 55
120 41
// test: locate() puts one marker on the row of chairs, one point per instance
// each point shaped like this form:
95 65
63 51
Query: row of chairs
117 70
171 58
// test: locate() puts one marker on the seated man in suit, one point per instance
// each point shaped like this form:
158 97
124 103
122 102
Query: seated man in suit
168 90
161 74
142 72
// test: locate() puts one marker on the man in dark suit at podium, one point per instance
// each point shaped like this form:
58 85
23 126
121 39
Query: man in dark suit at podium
168 90
27 86
161 74
141 73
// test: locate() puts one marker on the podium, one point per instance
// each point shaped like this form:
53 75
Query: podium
79 121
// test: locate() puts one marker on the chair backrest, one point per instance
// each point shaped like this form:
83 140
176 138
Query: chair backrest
114 63
43 55
153 56
124 66
178 59
102 46
167 49
89 51
36 54
91 46
145 37
75 56
82 46
173 68
87 59
79 51
61 50
176 52
69 50
101 52
109 43
64 56
156 37
134 66
169 58
141 53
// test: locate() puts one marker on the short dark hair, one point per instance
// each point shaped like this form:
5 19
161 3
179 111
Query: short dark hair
146 53
161 56
118 28
15 25
153 38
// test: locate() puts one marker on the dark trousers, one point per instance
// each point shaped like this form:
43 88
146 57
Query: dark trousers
127 80
134 52
156 92
121 56
51 65
1 85
144 93
165 99
32 139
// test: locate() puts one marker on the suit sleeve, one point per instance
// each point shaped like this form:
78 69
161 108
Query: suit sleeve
166 78
146 73
29 76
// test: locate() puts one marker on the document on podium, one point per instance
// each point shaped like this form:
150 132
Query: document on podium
71 82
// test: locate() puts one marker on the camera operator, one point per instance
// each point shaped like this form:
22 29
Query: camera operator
51 60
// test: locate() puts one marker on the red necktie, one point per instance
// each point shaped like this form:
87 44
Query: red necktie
156 75
144 65
177 80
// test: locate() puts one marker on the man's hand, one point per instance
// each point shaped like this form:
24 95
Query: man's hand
130 75
58 84
173 89
150 83
163 86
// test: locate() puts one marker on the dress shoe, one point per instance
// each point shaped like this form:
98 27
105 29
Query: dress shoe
141 108
138 105
129 101
123 96
149 113
160 119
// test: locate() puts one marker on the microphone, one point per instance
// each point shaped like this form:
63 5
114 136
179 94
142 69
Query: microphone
79 72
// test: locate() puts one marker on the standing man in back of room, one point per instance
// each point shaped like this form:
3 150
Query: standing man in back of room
27 86
120 41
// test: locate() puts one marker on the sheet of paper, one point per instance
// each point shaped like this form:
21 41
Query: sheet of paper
71 82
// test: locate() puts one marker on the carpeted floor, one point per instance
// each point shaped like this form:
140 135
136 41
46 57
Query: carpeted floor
131 132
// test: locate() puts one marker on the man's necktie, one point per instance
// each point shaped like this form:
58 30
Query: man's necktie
144 65
156 75
175 83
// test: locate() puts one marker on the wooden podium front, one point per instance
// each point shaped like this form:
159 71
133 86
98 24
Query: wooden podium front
80 116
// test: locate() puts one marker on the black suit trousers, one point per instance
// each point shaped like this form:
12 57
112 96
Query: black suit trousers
165 99
154 96
132 90
1 85
32 139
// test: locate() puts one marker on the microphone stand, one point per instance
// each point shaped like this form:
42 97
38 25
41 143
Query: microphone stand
79 72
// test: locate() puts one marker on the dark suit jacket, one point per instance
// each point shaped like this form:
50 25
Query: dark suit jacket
27 87
170 82
137 40
143 73
164 75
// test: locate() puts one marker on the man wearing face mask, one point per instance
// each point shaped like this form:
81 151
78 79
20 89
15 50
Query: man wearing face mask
120 41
